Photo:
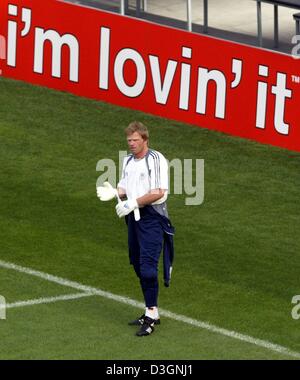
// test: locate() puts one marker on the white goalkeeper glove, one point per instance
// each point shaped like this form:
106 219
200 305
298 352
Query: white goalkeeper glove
106 192
125 207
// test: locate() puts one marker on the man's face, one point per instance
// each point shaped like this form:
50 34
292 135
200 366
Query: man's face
137 145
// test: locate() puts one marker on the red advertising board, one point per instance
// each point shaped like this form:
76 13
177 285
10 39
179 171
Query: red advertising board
225 86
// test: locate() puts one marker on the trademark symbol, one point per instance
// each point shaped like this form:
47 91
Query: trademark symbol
295 79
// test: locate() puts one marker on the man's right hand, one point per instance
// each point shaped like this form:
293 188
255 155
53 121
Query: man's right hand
106 192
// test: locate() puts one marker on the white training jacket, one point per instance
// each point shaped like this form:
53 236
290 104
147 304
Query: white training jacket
139 176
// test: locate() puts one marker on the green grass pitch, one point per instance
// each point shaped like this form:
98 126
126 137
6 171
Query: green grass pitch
237 259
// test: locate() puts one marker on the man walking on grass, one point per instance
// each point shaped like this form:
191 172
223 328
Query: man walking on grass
142 193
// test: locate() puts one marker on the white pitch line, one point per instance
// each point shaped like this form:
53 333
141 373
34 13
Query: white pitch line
181 318
44 300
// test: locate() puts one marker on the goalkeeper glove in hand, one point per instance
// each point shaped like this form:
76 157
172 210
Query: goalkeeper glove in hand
125 207
106 192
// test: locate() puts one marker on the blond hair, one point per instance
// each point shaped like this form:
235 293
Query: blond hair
137 126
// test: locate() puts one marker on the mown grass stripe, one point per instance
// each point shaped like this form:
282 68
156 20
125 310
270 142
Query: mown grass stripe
88 291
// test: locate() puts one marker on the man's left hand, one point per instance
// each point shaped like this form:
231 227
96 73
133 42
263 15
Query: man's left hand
125 207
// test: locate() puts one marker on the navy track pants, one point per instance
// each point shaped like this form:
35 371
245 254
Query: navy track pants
145 240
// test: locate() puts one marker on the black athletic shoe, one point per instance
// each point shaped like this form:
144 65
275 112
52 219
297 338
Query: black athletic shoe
147 327
140 321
